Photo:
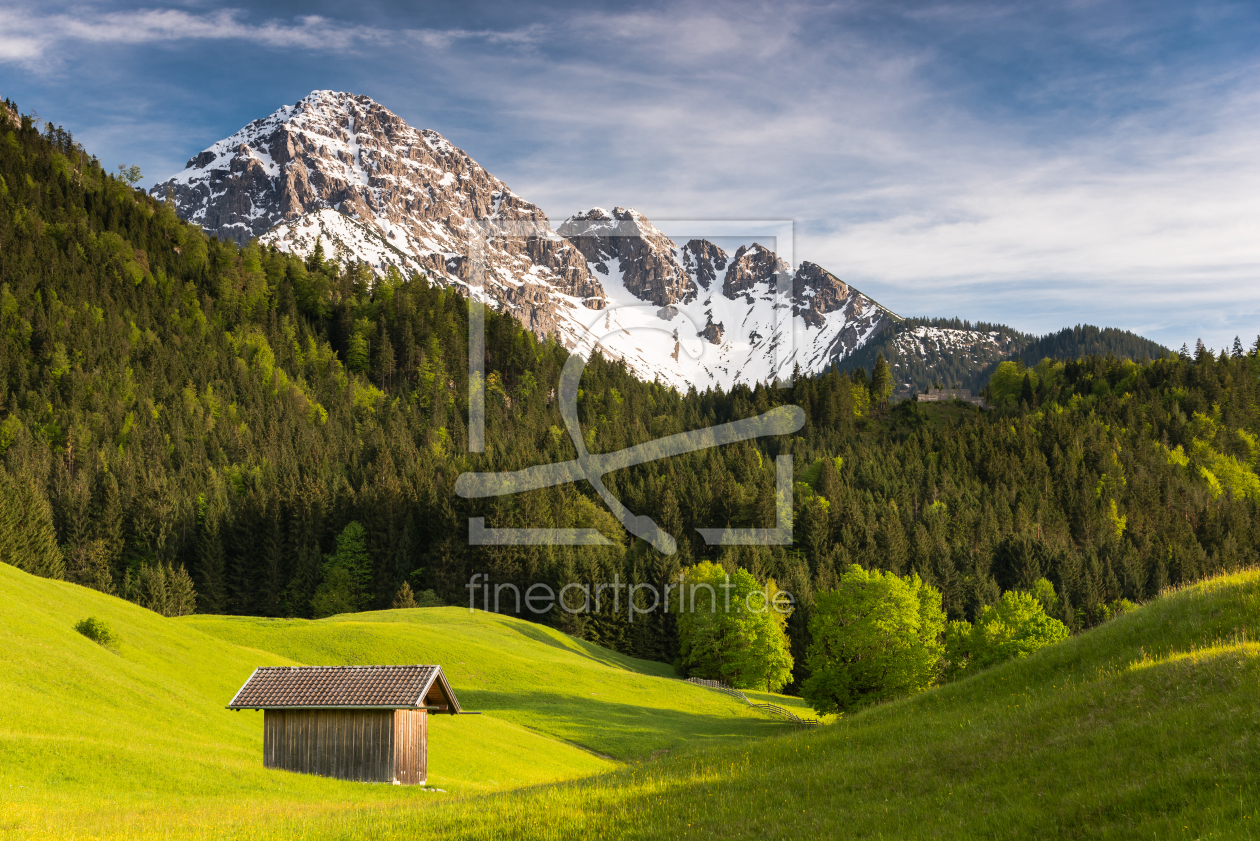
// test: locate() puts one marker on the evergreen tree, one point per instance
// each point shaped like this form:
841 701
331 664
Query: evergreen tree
315 262
347 575
404 598
182 595
212 571
28 540
1026 397
88 564
881 382
829 481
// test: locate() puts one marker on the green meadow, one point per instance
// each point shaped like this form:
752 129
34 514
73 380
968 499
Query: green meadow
1146 727
135 740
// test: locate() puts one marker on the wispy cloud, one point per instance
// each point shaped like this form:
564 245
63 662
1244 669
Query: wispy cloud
33 36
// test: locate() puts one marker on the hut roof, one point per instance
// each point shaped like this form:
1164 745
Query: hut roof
378 687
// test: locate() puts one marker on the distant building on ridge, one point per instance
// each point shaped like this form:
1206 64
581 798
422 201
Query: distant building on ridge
941 395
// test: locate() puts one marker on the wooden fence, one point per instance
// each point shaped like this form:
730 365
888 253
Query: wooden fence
772 709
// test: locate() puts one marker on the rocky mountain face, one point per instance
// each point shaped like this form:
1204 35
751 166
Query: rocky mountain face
645 256
347 170
343 170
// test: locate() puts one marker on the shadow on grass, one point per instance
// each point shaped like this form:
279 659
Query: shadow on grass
624 730
590 650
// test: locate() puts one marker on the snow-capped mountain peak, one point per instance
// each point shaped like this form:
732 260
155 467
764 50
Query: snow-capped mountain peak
342 169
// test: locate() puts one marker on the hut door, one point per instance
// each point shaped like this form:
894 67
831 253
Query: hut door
411 731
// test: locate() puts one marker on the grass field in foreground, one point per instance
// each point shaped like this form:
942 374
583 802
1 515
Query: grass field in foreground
1145 728
136 742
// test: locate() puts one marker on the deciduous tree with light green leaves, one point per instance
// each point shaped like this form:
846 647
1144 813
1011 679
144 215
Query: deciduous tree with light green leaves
130 174
875 637
1014 627
1006 385
729 629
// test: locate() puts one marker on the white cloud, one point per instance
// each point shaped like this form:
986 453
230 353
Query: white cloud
30 37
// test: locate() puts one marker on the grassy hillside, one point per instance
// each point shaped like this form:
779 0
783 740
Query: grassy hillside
1145 727
518 671
120 742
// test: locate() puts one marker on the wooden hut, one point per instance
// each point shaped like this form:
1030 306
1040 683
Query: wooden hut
368 723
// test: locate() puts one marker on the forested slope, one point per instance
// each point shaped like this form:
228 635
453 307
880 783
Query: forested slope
1087 340
171 402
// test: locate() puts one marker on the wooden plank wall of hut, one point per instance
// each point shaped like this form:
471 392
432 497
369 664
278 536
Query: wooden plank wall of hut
346 744
411 745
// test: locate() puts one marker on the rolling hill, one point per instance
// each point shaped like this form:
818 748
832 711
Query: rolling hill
120 742
1145 727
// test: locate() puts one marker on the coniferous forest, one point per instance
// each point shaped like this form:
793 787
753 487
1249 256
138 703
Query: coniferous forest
198 426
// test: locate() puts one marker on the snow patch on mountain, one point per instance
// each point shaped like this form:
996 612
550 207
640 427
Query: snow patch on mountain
930 342
756 322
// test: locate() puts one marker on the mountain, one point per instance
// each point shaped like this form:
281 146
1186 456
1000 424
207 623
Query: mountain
344 171
949 351
344 168
952 352
727 302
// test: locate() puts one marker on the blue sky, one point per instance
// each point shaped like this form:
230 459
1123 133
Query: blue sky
1039 164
